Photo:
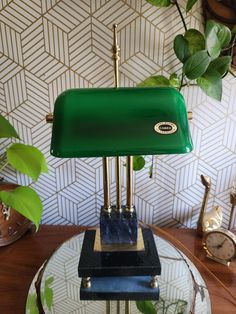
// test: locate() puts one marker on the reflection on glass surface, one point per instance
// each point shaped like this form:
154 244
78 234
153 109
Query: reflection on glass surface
181 285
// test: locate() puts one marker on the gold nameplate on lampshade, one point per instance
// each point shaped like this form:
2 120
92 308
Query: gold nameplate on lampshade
98 247
96 122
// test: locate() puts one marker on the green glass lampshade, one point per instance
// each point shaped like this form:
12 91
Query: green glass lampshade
119 122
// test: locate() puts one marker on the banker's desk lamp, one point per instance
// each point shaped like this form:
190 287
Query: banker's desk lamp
119 261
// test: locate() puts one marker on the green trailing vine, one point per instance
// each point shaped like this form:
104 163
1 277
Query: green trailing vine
28 160
205 58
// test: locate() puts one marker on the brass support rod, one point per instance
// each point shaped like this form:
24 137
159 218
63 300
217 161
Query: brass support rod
106 184
118 185
118 307
116 59
127 307
108 307
129 184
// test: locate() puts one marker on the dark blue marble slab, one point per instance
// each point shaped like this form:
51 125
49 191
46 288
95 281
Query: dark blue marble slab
130 263
118 228
120 288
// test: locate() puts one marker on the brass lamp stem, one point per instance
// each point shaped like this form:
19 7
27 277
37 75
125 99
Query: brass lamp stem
129 184
115 56
129 163
106 185
116 59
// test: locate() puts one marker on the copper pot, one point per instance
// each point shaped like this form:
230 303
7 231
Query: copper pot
12 224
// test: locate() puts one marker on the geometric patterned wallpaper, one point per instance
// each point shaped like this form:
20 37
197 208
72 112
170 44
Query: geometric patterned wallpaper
48 46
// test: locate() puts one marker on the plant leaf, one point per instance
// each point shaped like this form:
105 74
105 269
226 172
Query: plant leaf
211 84
181 48
48 292
195 39
220 65
158 80
31 305
213 44
138 163
49 280
224 35
233 30
190 4
6 129
160 3
218 36
27 159
196 65
174 80
24 200
146 307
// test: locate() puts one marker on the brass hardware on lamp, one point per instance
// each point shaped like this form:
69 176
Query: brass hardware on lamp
49 118
106 185
190 115
116 58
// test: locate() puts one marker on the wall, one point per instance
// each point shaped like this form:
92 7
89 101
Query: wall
49 46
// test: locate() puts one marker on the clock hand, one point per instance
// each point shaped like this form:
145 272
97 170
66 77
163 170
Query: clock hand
218 246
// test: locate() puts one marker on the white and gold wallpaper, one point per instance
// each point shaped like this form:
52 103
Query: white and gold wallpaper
47 46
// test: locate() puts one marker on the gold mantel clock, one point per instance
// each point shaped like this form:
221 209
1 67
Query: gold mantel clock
220 245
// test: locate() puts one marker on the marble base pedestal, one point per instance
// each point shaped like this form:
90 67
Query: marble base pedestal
108 270
118 228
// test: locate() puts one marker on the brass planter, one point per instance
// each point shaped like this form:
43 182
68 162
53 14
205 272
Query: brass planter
12 224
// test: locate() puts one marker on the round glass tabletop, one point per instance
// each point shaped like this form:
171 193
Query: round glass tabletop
182 288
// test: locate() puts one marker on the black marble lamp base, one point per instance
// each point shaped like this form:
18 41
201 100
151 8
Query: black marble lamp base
120 288
131 263
118 228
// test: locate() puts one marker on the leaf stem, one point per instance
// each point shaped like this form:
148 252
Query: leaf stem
232 45
175 2
181 82
189 84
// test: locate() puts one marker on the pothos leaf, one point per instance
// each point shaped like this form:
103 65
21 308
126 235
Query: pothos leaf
220 65
211 84
24 200
181 48
6 129
160 3
190 4
196 65
27 159
155 81
195 39
138 163
146 307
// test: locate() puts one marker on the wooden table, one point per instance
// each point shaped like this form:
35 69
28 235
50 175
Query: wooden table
20 261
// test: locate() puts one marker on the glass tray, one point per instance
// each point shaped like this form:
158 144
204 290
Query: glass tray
182 288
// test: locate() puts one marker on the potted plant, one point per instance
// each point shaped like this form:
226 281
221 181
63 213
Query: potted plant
28 160
205 57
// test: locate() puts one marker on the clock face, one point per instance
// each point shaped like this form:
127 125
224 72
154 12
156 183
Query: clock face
221 244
